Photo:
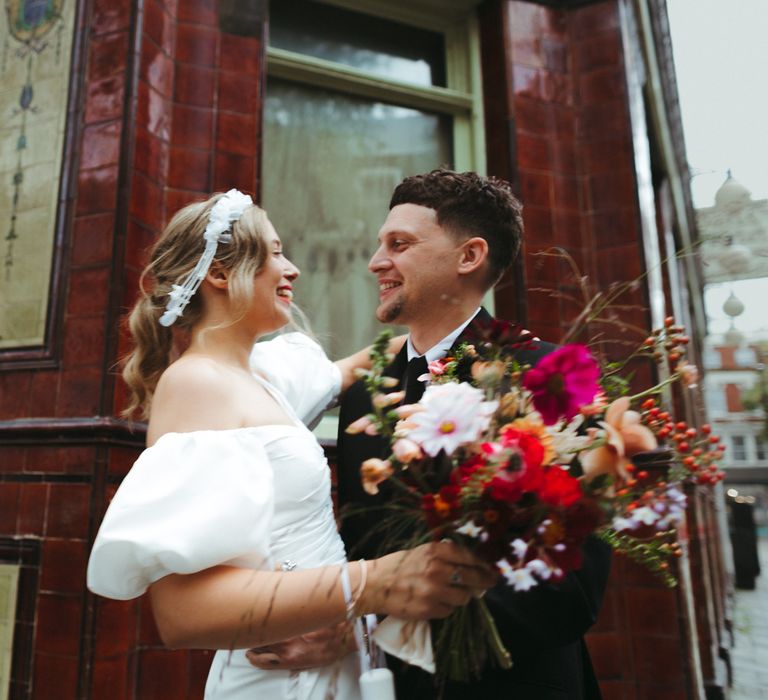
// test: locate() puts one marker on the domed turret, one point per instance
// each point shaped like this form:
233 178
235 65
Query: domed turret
732 195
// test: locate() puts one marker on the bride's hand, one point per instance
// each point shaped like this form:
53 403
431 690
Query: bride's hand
425 583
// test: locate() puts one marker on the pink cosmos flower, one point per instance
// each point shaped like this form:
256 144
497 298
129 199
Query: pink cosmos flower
562 382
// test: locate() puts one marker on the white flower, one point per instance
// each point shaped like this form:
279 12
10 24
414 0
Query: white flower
539 568
521 579
620 524
520 548
470 529
676 495
645 515
566 440
454 414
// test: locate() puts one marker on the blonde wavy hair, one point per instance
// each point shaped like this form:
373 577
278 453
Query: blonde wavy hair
172 258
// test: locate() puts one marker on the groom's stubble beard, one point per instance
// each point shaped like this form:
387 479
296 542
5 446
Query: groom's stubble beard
390 314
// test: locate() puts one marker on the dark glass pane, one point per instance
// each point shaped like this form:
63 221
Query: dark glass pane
388 49
330 164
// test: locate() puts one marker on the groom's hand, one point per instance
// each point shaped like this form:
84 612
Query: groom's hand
319 648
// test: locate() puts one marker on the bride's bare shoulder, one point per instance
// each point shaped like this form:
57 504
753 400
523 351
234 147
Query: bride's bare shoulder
194 393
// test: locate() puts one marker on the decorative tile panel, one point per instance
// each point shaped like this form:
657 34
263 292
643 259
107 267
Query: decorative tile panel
35 53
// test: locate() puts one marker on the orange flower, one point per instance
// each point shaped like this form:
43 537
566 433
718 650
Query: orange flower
625 437
488 373
373 472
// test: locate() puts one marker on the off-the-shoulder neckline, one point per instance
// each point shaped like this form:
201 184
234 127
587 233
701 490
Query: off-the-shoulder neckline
245 428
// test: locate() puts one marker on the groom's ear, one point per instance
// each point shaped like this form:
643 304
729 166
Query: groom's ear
474 254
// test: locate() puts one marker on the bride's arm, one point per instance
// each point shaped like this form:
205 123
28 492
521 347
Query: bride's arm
361 360
225 607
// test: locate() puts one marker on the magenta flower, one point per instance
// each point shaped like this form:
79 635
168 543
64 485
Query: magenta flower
562 382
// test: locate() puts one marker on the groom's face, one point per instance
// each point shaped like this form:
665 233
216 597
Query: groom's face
415 264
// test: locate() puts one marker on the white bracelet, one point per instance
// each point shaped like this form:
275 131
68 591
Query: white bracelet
346 587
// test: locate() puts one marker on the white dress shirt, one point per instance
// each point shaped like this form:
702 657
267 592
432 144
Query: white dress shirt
440 349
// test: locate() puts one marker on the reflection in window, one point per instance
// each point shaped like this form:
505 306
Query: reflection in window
9 584
330 164
387 49
739 445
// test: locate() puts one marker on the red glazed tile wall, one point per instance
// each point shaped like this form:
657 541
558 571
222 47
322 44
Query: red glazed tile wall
563 137
169 112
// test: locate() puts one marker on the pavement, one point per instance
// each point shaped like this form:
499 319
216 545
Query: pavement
749 656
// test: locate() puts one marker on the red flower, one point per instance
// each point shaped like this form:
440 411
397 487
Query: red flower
559 489
462 474
562 382
518 477
529 446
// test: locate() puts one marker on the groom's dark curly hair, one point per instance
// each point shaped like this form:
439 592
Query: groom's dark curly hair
467 205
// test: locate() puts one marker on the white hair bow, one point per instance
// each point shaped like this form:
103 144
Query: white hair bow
226 211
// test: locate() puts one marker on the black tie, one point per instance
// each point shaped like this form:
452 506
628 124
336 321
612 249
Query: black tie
414 389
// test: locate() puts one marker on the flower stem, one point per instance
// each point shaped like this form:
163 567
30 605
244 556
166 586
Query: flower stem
497 646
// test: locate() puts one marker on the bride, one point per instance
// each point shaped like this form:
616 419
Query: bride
227 517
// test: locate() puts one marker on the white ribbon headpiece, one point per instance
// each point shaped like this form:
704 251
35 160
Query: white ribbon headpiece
226 211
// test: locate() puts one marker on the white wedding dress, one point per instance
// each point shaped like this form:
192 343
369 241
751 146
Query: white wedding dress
249 497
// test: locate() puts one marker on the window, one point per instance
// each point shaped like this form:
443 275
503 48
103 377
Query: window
715 396
739 448
760 448
711 359
745 357
355 102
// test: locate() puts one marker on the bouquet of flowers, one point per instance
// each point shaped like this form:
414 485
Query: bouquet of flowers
521 464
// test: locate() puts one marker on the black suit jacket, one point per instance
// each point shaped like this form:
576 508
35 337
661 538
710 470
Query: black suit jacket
542 628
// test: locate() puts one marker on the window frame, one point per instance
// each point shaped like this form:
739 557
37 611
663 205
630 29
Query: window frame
741 449
462 99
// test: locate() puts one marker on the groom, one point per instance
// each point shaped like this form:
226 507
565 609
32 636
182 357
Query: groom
447 240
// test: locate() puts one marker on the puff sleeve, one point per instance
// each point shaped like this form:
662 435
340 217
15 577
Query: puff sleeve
299 368
190 502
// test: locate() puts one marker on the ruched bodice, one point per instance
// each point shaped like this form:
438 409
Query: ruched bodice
303 525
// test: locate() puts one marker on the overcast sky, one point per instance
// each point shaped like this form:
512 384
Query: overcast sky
721 60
